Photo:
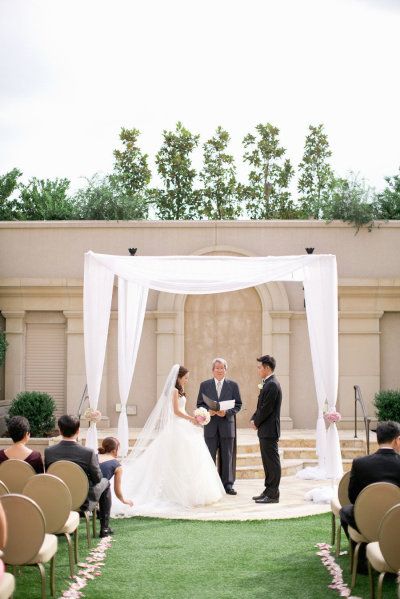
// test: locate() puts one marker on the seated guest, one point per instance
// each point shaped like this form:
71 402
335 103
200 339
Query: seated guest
111 467
69 449
381 466
20 432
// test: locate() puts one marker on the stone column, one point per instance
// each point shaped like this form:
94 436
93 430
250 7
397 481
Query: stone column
169 346
280 349
359 351
15 355
75 361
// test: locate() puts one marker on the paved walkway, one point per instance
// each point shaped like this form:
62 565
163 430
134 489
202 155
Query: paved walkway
241 507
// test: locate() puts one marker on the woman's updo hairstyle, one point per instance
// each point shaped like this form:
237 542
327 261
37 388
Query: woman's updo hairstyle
181 372
108 445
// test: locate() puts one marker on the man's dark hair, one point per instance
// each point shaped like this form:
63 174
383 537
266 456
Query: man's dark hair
18 426
386 432
68 425
267 361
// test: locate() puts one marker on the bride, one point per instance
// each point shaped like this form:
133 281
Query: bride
170 465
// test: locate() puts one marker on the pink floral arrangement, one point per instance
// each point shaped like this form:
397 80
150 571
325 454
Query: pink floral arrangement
202 416
92 415
332 416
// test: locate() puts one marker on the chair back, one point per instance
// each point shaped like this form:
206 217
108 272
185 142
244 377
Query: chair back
53 497
74 477
389 537
15 474
343 489
371 505
26 529
3 489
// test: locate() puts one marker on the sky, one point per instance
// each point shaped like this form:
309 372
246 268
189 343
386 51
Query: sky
73 72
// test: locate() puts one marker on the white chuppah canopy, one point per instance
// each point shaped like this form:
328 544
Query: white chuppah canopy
205 275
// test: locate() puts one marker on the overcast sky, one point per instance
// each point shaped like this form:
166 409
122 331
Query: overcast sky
73 72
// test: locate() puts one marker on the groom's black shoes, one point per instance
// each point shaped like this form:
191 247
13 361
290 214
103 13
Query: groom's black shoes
106 532
261 496
267 499
230 491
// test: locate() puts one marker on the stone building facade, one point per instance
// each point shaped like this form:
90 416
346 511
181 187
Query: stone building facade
41 284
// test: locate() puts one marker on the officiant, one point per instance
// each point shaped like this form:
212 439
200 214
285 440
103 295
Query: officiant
220 432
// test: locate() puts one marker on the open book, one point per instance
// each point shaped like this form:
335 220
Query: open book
216 406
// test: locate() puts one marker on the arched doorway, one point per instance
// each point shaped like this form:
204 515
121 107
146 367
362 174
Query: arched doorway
228 325
268 304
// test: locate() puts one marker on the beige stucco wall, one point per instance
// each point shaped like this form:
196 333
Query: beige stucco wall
41 269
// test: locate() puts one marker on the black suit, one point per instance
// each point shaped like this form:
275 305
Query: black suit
382 466
267 420
220 432
99 487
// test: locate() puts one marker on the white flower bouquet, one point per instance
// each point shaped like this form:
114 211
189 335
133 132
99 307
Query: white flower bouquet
260 385
202 416
92 415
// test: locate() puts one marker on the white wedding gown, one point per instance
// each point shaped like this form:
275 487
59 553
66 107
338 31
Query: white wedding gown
175 471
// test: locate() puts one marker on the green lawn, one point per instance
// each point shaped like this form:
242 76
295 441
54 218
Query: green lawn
178 559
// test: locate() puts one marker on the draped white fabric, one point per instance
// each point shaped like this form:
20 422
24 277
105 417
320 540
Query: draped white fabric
132 299
204 275
97 296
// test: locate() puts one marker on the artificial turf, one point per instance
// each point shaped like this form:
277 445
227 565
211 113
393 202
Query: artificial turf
154 558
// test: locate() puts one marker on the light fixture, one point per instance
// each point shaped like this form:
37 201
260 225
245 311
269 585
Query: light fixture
132 251
310 250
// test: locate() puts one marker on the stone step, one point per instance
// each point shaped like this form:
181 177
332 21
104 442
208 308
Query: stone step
309 453
289 468
346 464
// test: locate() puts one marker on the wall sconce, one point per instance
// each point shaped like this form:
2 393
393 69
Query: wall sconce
310 250
132 251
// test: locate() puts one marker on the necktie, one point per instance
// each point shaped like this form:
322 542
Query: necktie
219 385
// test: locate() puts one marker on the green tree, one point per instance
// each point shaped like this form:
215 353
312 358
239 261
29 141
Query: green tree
316 177
178 200
352 201
46 199
103 199
388 201
219 192
8 184
131 171
266 195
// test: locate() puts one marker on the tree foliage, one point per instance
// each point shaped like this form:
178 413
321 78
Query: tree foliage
178 200
45 199
131 171
266 195
8 185
316 177
103 199
352 201
388 201
218 176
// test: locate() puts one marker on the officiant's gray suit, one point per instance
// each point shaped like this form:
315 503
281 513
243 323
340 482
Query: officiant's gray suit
220 433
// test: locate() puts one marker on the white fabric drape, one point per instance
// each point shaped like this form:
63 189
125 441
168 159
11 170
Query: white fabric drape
132 299
216 274
97 296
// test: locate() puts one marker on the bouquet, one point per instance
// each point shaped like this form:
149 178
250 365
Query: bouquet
92 415
202 416
260 386
332 416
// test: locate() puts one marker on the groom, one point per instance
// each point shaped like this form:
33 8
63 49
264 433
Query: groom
220 432
266 420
